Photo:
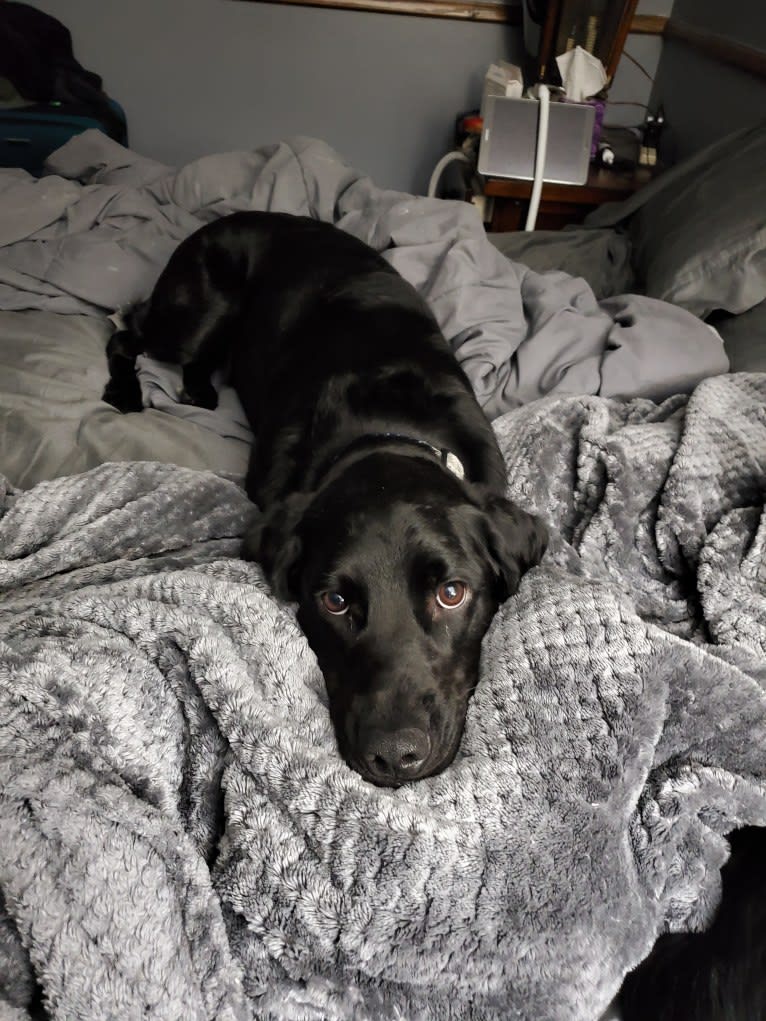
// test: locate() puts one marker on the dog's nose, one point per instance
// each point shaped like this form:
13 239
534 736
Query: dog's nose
391 756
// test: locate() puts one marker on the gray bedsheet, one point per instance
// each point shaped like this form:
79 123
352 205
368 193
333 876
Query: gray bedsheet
600 257
180 839
93 236
53 421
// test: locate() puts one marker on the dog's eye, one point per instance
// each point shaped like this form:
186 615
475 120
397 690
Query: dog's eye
334 603
451 594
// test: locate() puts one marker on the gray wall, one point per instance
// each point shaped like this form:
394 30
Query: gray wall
199 76
631 88
704 99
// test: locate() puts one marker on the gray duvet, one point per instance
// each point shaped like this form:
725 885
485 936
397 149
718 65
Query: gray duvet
53 421
180 839
93 236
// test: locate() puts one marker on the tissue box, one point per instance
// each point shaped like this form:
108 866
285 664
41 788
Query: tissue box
502 79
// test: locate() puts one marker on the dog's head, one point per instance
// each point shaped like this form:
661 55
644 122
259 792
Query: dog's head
397 568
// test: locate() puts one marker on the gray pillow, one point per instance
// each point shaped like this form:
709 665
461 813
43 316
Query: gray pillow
744 339
698 231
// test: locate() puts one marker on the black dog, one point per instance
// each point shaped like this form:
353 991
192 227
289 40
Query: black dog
378 476
719 974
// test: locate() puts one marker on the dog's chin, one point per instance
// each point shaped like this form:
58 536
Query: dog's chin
439 764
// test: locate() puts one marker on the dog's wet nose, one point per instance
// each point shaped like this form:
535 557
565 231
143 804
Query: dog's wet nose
392 756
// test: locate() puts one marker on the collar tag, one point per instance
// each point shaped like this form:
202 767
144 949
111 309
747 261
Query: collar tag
453 463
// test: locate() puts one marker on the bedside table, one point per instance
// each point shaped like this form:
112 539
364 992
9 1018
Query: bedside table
560 204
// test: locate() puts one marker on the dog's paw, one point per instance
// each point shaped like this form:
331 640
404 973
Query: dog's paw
124 398
203 396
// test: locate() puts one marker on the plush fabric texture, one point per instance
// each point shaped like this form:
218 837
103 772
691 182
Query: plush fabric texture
180 839
698 231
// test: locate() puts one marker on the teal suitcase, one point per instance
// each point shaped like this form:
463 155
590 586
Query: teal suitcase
28 135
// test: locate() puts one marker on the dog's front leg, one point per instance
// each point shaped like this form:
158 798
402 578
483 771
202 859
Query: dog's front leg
123 390
198 389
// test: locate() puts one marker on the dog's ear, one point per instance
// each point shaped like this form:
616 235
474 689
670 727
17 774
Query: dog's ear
517 541
274 542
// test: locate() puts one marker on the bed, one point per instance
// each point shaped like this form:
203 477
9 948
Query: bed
179 836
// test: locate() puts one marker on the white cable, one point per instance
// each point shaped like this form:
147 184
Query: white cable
433 184
542 147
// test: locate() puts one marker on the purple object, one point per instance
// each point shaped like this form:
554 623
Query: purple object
598 123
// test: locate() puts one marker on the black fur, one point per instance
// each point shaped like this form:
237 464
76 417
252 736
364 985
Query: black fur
349 387
719 974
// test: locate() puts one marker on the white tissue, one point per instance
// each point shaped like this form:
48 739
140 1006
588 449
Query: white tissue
582 74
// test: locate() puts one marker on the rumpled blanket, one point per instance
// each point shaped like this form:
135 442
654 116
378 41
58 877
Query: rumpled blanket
180 839
94 234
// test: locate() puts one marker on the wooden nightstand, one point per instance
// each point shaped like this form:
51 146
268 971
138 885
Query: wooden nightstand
560 204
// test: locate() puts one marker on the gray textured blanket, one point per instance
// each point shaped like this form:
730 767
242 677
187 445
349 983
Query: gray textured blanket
181 841
94 235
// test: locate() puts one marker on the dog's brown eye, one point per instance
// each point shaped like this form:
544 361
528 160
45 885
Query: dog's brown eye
334 602
451 594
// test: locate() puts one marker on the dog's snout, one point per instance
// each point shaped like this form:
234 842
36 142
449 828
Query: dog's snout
394 756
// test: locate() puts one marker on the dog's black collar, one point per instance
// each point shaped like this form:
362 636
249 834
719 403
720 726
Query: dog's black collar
445 457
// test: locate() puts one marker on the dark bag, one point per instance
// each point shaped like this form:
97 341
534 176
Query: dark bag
36 57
